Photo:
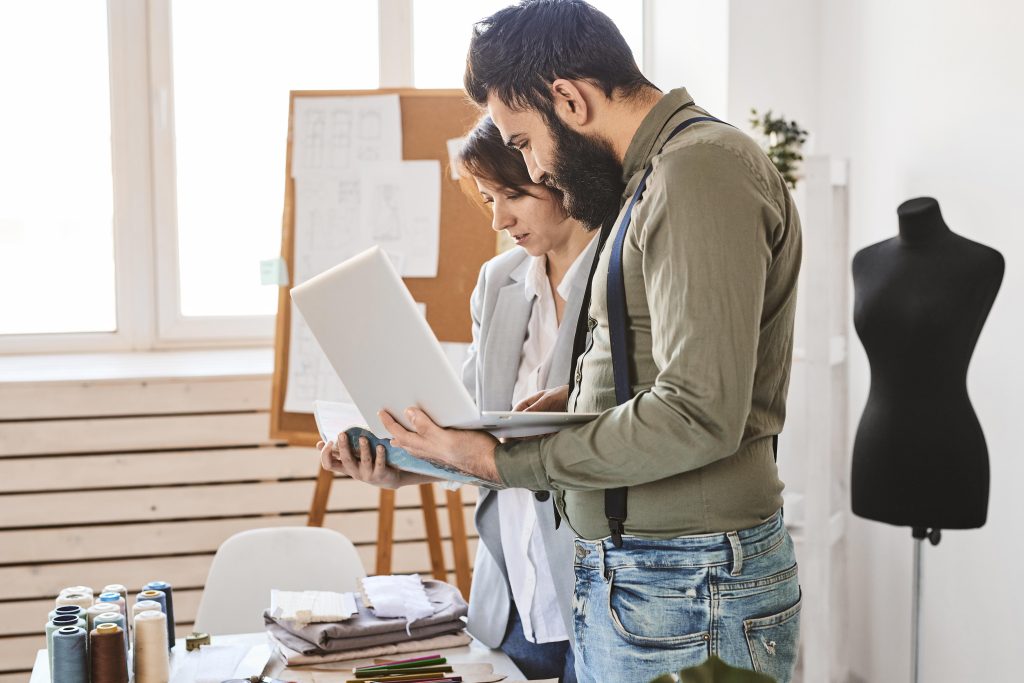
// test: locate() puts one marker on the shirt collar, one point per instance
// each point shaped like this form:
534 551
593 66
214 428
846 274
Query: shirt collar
652 131
537 275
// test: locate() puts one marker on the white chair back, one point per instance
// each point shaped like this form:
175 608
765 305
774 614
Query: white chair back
249 564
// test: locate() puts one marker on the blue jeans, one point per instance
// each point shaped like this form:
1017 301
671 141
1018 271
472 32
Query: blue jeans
537 661
657 606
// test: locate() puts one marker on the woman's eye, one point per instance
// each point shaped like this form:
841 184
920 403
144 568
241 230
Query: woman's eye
513 197
487 200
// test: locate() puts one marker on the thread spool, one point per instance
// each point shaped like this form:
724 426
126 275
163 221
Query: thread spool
65 609
117 588
118 620
70 664
168 591
137 609
107 658
98 609
77 589
112 597
160 597
52 626
83 600
152 662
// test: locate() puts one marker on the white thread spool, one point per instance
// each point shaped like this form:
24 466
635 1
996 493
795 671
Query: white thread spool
83 600
98 609
77 589
152 662
140 607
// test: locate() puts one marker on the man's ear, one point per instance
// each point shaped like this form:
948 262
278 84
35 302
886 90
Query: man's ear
572 102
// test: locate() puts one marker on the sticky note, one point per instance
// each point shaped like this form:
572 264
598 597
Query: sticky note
274 271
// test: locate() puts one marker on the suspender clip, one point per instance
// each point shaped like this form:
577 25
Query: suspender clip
617 527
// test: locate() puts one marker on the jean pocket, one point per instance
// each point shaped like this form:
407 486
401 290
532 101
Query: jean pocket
666 608
773 642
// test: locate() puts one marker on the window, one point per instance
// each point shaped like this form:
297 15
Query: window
441 39
233 63
56 228
143 152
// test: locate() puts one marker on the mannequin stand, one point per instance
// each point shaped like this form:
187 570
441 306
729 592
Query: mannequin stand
933 536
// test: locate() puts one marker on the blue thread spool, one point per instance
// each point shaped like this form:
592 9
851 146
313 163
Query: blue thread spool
70 664
55 624
161 598
166 589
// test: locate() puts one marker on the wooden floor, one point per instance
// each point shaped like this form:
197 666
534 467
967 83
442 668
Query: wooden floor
133 480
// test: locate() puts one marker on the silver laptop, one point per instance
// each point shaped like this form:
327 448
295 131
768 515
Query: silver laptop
385 353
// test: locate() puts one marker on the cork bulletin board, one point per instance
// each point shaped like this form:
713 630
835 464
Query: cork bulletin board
429 119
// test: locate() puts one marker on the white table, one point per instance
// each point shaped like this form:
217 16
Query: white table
260 651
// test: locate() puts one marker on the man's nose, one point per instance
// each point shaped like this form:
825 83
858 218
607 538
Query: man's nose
537 174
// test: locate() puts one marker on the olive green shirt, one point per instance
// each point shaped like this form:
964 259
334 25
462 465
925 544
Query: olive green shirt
710 265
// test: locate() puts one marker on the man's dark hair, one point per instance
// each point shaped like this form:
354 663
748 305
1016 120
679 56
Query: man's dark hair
518 52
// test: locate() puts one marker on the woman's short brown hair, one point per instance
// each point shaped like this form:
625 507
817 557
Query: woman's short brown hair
485 155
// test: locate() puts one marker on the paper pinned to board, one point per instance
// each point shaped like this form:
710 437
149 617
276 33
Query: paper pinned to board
400 210
454 148
341 133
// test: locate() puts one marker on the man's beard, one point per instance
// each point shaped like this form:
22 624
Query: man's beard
588 174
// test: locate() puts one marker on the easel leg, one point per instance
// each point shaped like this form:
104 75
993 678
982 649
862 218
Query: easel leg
433 528
321 493
385 531
460 543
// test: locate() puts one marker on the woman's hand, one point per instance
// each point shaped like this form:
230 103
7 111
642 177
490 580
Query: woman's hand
370 467
553 400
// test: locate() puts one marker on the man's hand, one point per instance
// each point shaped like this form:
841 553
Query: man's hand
457 450
553 400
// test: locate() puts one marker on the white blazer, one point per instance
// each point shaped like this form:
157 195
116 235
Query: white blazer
501 313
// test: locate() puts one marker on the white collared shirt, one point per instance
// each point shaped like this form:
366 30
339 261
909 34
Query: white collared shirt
526 560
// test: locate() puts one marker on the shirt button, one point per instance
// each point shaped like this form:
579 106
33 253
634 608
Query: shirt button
542 495
579 377
591 323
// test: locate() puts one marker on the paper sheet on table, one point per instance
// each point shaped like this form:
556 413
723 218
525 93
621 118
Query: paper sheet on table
341 133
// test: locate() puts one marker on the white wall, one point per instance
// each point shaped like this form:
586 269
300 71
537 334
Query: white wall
687 44
925 98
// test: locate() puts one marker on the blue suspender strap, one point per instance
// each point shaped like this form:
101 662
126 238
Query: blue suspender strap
615 499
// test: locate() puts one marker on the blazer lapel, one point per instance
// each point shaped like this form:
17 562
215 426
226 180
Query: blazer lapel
504 345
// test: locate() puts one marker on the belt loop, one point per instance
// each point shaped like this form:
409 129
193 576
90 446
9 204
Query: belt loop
600 558
737 553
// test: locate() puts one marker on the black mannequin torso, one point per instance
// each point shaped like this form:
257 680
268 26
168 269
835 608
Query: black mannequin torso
919 458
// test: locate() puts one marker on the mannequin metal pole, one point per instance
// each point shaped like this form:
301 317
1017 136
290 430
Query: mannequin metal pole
915 618
933 536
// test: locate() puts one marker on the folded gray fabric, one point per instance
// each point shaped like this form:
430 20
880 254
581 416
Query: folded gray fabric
367 630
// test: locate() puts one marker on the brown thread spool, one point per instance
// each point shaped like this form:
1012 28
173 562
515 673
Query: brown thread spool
107 655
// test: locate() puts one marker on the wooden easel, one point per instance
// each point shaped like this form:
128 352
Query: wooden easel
386 526
429 119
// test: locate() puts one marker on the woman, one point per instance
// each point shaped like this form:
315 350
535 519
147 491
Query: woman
524 311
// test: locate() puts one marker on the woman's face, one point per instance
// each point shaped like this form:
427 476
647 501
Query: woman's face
536 222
